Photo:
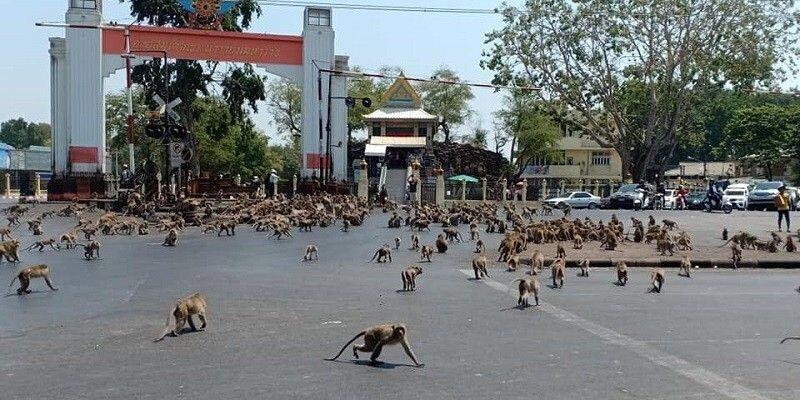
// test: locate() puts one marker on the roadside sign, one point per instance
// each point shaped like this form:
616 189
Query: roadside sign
176 154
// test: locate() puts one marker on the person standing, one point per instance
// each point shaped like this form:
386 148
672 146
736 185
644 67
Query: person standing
783 203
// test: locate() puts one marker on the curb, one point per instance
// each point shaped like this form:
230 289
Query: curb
671 263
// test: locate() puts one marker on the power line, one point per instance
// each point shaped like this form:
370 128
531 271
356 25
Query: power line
376 7
362 75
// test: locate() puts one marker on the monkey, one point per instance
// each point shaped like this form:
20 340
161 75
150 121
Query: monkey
409 276
13 220
425 253
311 252
577 242
42 243
228 226
651 221
473 232
736 255
172 238
183 311
663 246
375 337
441 244
526 287
27 274
282 230
10 250
452 234
479 246
5 232
397 241
584 268
537 262
479 266
560 252
725 233
88 232
686 267
638 234
382 254
669 224
513 262
622 273
657 280
143 229
414 242
557 272
789 245
345 225
91 250
69 237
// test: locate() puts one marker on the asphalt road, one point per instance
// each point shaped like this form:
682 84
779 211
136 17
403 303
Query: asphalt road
272 320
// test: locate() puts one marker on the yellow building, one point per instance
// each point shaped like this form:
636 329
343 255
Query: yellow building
581 159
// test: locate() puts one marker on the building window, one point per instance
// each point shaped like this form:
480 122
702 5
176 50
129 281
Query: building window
423 131
376 130
601 158
319 17
84 4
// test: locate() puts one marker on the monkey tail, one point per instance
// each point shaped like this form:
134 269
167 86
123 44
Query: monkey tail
345 346
790 338
726 243
166 328
511 283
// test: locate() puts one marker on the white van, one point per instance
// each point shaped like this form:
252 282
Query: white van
737 194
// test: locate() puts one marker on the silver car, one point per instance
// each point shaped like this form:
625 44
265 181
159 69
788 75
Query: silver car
576 200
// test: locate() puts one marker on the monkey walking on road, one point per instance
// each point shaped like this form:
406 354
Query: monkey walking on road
40 245
375 337
622 273
91 250
183 311
26 275
414 242
584 268
686 267
172 238
311 253
657 278
409 276
382 254
526 287
397 242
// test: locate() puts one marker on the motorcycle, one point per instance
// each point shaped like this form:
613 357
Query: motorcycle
680 202
641 201
714 202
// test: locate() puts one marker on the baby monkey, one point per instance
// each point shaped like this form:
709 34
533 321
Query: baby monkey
26 275
375 337
409 276
183 311
311 253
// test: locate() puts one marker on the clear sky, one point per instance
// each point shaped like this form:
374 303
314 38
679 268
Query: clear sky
418 42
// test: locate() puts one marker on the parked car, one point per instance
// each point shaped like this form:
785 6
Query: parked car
627 196
794 195
763 195
669 199
737 196
576 200
696 201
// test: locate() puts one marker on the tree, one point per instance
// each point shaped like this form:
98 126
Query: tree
449 101
22 134
189 79
762 135
283 100
478 137
117 126
361 88
597 58
533 133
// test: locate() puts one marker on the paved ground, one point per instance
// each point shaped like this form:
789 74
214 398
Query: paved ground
273 319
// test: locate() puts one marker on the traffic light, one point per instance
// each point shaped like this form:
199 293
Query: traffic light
349 101
155 131
178 132
366 102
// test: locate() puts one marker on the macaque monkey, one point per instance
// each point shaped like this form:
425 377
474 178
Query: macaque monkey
584 268
409 276
577 242
345 225
560 252
5 232
724 233
13 220
789 245
537 262
70 239
183 311
669 224
622 273
479 246
40 245
375 337
557 270
25 276
425 253
144 229
526 287
513 262
171 239
686 267
10 250
638 234
228 226
651 221
663 246
473 232
414 242
441 244
91 250
736 255
311 253
382 254
397 242
656 280
479 267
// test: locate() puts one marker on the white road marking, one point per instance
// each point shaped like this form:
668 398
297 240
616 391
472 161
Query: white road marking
678 365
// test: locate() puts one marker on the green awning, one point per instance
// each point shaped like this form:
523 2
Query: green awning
460 178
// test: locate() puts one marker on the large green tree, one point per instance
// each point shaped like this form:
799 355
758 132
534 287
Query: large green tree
448 100
22 134
532 132
593 56
117 126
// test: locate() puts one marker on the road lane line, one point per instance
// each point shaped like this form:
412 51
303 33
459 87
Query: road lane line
678 365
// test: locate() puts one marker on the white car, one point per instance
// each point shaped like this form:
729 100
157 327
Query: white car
669 199
737 196
576 200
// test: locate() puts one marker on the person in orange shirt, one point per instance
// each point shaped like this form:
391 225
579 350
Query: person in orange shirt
782 203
